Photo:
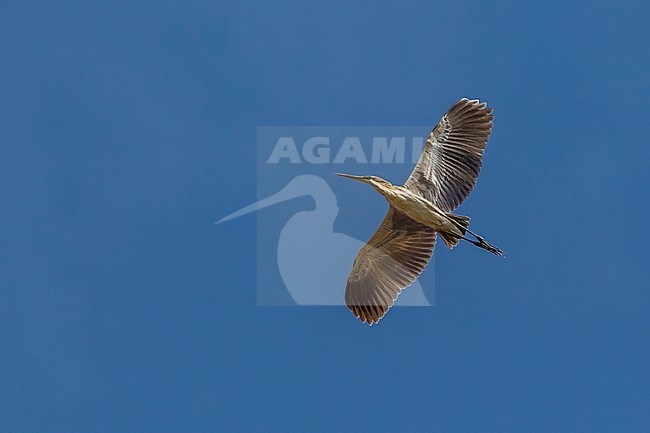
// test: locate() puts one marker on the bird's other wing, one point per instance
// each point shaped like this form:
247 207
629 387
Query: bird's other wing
451 160
391 260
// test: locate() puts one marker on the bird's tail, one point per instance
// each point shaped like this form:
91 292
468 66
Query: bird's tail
462 222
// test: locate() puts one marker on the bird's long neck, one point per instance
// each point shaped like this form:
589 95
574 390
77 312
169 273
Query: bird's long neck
386 191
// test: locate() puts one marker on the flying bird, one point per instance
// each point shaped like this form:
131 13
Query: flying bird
443 177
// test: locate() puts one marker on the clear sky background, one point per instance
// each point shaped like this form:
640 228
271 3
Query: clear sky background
128 128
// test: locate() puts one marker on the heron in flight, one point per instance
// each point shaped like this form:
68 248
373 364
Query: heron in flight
442 179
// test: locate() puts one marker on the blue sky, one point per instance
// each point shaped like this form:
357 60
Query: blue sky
128 129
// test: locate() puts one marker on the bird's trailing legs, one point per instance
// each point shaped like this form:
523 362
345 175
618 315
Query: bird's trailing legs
482 243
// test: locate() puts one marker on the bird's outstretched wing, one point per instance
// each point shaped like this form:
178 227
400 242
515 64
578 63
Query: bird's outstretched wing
451 160
391 260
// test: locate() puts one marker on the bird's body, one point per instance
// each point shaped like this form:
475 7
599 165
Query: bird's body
419 210
414 206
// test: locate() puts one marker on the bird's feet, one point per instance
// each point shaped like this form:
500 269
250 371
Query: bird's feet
488 246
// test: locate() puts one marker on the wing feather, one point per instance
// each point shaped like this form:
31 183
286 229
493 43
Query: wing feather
391 260
451 160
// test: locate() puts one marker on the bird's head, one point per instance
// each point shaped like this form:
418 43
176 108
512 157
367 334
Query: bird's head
376 182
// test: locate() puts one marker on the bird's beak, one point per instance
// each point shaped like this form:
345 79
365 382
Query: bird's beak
353 177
